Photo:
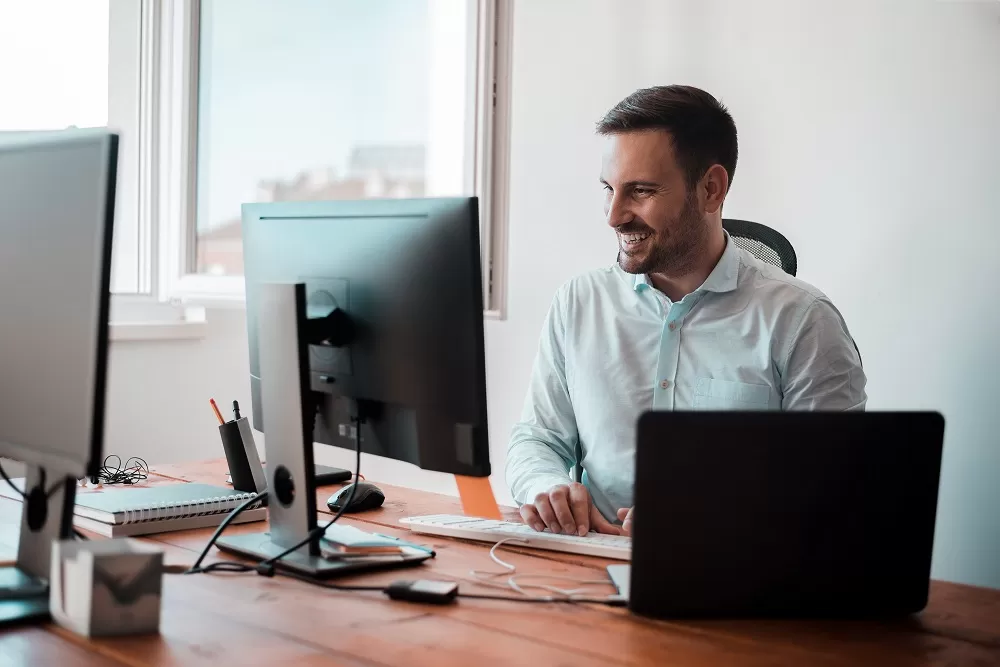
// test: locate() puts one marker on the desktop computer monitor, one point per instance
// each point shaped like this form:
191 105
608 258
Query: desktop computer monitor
56 210
407 275
57 196
361 314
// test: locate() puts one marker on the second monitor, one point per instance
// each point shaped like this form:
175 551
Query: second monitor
365 323
405 276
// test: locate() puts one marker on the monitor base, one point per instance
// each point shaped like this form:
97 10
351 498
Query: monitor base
259 546
24 588
23 598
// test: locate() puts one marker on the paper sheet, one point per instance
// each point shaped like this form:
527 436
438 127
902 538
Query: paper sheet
477 497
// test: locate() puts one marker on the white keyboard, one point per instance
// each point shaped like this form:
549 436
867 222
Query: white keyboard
618 547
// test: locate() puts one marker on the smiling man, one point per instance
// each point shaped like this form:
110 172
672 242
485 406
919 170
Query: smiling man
685 320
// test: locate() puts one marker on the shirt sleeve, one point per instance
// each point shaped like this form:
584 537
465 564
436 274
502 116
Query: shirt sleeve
542 447
823 366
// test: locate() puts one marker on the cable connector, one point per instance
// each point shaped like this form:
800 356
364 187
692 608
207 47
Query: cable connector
264 569
423 590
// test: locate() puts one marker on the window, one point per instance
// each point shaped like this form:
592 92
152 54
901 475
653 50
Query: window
321 99
326 99
220 102
71 63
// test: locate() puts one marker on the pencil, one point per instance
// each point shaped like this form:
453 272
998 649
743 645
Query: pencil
215 409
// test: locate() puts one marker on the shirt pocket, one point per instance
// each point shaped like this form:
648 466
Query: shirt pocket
715 394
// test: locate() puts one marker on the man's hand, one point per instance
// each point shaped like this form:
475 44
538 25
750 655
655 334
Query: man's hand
625 516
566 509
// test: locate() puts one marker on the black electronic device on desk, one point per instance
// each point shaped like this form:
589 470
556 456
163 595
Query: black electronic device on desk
346 302
783 514
324 475
366 497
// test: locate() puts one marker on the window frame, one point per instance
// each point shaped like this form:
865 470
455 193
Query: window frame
138 314
145 313
168 144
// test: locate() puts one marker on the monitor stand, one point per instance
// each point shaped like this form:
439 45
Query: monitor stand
24 586
283 345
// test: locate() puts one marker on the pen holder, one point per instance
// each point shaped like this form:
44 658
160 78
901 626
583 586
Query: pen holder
241 453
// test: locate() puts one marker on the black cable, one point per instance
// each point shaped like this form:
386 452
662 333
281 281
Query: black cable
326 584
11 483
133 471
233 566
318 532
41 483
222 526
236 567
610 601
221 566
266 567
613 602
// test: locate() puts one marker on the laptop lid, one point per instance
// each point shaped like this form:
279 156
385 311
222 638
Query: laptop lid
784 514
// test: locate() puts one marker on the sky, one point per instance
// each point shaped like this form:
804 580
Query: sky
294 85
285 85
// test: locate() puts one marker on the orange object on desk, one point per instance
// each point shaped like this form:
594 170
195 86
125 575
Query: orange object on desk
477 497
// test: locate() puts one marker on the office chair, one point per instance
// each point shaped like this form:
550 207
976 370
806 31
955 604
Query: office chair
763 242
767 245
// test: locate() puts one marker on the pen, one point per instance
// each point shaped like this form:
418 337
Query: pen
215 409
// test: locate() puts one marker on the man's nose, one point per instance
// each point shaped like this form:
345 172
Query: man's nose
618 212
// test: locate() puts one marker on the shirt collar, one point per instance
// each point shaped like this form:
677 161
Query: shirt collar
723 278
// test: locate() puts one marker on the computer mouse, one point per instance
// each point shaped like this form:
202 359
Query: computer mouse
367 497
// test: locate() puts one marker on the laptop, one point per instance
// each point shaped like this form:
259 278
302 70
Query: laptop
783 515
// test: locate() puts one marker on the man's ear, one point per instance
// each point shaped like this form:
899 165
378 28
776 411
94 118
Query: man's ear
715 186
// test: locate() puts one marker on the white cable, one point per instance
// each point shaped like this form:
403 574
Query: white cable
509 570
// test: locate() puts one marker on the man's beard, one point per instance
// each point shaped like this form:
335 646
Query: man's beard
672 252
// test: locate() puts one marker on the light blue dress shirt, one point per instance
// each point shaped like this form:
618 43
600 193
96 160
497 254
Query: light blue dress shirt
750 338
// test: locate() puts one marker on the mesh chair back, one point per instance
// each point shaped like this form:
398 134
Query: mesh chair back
763 242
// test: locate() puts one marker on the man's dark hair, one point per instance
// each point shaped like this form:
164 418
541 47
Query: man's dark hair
702 129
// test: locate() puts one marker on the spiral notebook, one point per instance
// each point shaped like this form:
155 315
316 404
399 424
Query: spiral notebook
160 503
164 525
125 512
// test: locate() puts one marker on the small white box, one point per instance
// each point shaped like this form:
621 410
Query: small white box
106 587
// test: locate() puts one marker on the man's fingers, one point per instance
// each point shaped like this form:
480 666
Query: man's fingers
544 508
622 513
627 521
559 499
579 504
530 516
600 524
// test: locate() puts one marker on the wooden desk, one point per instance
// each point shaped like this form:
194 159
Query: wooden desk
245 620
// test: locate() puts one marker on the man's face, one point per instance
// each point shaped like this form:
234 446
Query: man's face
659 222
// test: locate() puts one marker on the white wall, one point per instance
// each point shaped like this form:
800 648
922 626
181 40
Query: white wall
869 133
158 403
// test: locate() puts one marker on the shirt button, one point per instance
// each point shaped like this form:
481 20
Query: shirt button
672 326
664 384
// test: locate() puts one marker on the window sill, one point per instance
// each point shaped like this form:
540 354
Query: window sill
156 322
204 291
146 331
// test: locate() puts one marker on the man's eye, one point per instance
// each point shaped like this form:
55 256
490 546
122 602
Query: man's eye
607 188
642 192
